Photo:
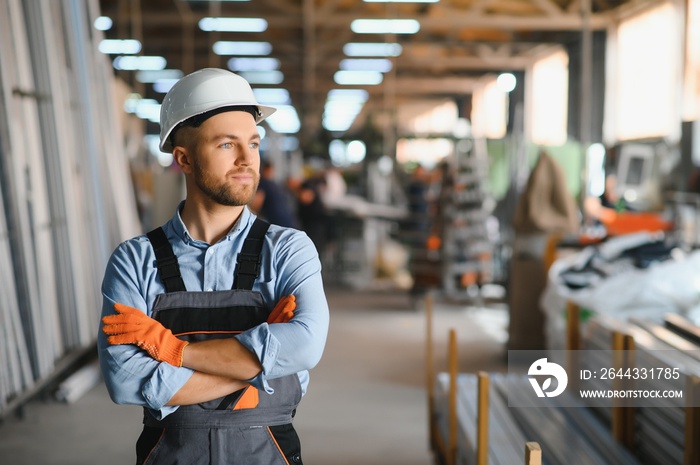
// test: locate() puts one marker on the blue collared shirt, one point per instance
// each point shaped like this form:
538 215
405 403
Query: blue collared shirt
290 265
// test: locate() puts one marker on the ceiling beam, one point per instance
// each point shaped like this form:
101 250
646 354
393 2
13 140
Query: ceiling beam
309 69
486 62
548 7
450 85
329 65
457 18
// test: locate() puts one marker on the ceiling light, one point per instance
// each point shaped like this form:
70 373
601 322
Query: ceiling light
119 46
285 120
142 62
263 77
336 149
366 64
342 107
162 86
209 24
345 154
359 95
401 1
143 108
103 23
334 109
153 76
338 125
340 118
131 102
506 82
358 78
385 26
270 96
253 64
227 47
372 49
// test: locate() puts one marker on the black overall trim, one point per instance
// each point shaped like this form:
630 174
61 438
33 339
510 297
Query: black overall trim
229 319
166 261
248 262
247 265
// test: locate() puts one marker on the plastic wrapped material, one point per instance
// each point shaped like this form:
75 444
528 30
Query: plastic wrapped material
618 287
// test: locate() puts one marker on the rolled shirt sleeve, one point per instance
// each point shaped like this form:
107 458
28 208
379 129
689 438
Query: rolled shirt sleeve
130 374
296 346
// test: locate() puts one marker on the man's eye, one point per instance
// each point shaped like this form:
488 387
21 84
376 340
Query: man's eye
254 145
226 145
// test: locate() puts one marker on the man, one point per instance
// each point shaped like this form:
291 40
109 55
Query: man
312 212
215 318
272 201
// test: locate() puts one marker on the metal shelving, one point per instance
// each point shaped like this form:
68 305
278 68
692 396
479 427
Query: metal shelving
65 194
468 246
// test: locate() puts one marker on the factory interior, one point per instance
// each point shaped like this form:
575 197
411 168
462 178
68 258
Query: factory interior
503 197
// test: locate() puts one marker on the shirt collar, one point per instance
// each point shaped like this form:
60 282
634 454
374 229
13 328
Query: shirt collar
242 223
180 229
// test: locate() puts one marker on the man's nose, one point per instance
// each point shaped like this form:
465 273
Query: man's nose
246 156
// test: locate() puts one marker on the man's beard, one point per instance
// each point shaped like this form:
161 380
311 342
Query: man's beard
221 192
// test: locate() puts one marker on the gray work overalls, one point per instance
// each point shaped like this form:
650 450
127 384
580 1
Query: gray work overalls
247 427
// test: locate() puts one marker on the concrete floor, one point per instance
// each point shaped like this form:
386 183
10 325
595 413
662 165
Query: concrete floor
366 403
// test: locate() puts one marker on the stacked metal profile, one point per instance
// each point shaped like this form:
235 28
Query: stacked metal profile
566 435
504 434
659 423
468 243
66 198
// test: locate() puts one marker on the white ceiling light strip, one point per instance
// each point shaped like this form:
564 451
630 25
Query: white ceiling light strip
385 26
381 65
372 49
209 24
229 47
119 46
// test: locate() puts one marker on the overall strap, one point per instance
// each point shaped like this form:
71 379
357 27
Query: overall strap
166 261
250 257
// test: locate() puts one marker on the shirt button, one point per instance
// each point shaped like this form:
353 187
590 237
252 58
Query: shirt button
210 289
210 251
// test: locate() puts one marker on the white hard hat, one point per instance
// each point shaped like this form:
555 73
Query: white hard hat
203 91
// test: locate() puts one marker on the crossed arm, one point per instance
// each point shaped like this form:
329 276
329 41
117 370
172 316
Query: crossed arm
220 365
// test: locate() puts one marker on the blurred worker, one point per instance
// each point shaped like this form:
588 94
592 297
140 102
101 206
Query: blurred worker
335 187
604 209
418 224
313 215
214 318
272 201
611 198
416 231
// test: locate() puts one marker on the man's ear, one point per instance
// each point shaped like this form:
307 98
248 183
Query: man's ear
182 157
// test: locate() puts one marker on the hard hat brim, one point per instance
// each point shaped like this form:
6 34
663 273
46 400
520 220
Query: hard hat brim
264 112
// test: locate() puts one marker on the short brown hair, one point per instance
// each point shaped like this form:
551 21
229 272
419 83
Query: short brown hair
196 121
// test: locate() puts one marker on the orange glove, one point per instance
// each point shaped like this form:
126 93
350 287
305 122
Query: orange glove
132 326
284 310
